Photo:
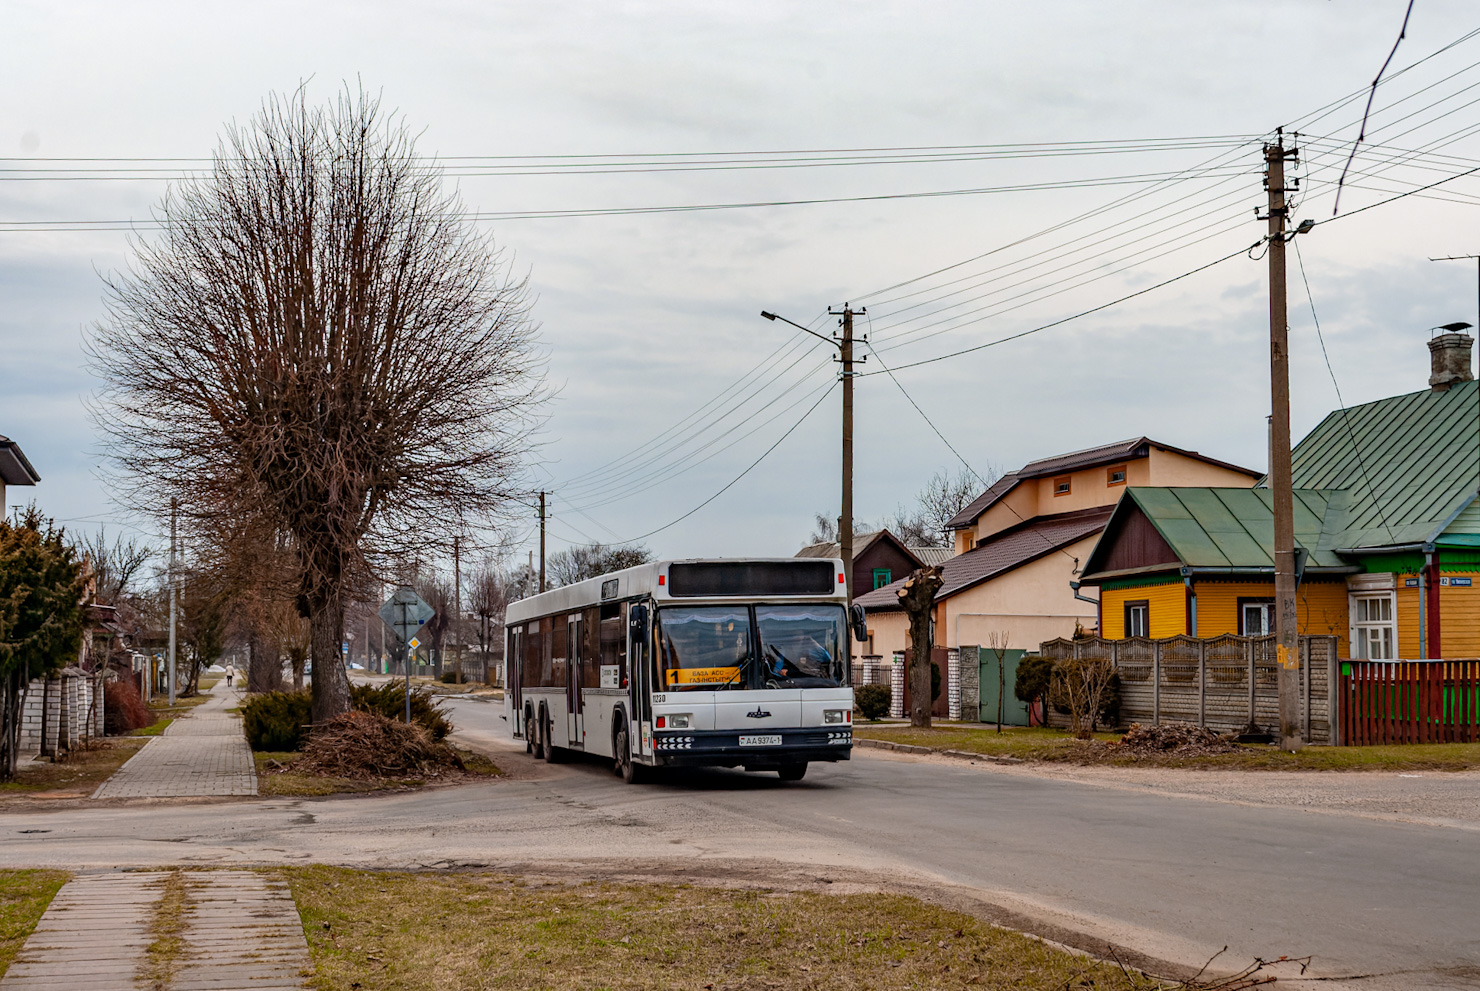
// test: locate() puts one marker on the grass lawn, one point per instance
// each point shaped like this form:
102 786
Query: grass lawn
78 775
1054 745
271 780
153 730
24 895
423 931
162 707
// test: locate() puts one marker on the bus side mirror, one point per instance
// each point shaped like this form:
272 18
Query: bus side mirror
856 620
638 620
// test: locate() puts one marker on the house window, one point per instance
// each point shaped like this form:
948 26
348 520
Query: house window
1115 475
1373 633
1061 485
1138 618
882 577
1255 617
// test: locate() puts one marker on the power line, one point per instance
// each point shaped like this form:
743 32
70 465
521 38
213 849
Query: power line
1362 133
737 478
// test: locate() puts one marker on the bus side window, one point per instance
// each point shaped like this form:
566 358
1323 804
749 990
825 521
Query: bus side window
530 669
614 639
591 662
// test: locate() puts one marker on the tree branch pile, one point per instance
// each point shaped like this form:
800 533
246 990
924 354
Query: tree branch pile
365 745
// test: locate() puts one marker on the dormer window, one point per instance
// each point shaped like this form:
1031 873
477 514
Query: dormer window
1115 475
1061 485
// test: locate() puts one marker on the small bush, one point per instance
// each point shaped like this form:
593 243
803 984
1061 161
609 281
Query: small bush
276 720
389 700
873 701
123 710
1033 675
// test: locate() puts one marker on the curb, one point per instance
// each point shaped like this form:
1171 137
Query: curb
905 748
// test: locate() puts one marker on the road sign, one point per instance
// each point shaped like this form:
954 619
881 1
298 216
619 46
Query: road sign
413 643
406 612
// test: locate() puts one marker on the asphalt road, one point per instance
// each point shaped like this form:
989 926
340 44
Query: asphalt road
1172 877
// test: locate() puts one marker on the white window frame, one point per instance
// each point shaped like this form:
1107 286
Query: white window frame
1385 630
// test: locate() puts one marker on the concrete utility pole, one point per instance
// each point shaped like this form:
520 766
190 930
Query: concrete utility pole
174 593
845 525
542 541
845 359
457 604
1286 617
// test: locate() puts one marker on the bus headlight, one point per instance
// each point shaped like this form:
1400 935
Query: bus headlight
683 720
830 716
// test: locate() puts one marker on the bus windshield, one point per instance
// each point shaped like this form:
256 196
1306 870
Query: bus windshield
705 647
708 648
803 646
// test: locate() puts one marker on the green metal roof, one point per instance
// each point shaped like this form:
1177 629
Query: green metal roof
1410 464
1232 527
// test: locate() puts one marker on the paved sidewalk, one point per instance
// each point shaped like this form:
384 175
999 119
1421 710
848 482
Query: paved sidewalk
242 931
200 754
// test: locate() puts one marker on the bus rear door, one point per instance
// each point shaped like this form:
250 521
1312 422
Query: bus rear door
576 725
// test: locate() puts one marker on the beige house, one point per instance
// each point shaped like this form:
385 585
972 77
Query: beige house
1021 543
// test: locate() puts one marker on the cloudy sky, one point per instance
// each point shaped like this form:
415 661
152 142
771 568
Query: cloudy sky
1139 124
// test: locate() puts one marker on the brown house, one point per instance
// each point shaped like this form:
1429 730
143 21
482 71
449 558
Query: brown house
879 558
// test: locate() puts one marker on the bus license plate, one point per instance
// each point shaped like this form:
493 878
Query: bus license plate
760 741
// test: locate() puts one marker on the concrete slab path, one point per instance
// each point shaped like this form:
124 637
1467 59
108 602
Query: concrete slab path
202 754
241 931
92 937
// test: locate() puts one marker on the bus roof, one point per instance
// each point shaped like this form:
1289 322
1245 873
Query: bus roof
651 579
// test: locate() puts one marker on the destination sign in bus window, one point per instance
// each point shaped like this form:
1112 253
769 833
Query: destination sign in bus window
704 647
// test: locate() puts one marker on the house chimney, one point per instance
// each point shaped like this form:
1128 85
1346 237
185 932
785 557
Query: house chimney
1449 355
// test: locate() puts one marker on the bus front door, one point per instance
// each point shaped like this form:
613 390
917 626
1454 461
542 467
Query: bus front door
639 626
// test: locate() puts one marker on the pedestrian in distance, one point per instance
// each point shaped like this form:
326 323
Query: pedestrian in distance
230 673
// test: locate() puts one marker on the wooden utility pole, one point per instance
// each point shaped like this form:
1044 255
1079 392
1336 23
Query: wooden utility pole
542 541
845 522
1286 618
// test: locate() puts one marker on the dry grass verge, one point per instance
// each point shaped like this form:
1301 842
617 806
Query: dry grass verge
277 774
162 957
1055 746
422 931
24 896
77 775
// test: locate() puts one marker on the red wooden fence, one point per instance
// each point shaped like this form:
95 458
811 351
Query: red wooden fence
1410 702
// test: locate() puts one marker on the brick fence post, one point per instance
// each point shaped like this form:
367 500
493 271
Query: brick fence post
953 682
896 686
51 714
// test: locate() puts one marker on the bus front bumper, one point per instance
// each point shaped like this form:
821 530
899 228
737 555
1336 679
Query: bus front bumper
724 748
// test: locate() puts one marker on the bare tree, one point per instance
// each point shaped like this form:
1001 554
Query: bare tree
488 597
1081 686
116 564
917 599
320 343
576 564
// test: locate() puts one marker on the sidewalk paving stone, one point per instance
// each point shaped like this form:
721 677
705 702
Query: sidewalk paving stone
202 754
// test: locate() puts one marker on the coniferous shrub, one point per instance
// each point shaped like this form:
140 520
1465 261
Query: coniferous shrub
277 720
873 701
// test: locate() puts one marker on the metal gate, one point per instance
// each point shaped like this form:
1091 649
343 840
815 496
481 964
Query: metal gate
995 672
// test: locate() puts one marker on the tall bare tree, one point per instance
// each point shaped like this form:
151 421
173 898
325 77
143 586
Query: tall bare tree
576 564
322 343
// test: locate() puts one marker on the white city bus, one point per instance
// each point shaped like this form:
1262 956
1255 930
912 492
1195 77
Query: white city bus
728 663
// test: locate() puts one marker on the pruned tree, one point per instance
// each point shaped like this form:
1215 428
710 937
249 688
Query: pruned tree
320 344
997 642
576 564
1082 686
41 619
917 599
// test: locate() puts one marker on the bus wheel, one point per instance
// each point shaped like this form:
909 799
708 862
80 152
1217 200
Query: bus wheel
552 752
630 770
532 741
792 772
